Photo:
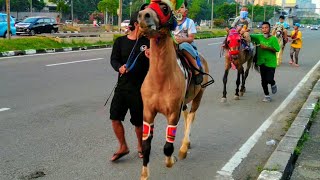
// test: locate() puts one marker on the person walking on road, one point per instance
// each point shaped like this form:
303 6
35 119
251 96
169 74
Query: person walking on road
296 45
267 46
130 48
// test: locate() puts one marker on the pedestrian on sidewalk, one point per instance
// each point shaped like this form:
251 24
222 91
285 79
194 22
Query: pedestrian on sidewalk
296 45
267 46
129 48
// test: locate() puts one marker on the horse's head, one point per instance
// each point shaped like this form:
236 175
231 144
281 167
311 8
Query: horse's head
158 17
279 30
233 43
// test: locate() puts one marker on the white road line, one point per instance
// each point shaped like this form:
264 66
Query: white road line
72 62
242 153
4 109
214 43
45 54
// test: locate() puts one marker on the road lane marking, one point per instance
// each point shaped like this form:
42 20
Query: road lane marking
214 43
4 109
44 54
244 150
72 62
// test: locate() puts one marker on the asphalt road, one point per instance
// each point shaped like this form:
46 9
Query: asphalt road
52 117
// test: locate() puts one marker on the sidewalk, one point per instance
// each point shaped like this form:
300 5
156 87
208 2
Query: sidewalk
285 161
308 164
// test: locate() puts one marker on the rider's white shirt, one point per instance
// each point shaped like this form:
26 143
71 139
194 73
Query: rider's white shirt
186 28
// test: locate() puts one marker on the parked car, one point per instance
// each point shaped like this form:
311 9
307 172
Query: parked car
37 25
125 23
4 26
314 28
68 21
259 25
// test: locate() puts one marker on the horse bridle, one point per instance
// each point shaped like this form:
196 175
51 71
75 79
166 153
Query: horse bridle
165 15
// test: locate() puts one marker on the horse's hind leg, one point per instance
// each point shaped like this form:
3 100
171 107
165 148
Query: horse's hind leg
188 122
146 141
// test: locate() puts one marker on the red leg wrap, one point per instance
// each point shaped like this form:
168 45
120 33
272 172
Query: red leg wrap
171 133
147 130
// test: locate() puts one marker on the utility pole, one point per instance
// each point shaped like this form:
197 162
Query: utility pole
72 11
8 19
252 13
120 15
130 8
30 7
212 14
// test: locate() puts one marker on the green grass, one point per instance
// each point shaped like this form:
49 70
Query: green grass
39 43
305 137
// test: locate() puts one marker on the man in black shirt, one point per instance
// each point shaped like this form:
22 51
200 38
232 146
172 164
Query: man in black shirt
130 48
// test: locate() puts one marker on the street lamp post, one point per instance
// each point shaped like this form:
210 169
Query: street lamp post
72 11
8 19
120 15
30 7
212 14
252 12
130 8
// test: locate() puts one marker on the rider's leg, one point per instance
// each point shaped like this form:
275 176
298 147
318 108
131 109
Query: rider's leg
191 54
197 76
285 35
247 38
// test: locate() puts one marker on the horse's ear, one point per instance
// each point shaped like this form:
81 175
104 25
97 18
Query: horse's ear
176 3
143 6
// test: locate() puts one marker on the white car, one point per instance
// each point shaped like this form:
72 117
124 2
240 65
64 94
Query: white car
314 28
125 23
68 21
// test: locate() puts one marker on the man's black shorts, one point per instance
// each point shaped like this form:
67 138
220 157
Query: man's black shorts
122 101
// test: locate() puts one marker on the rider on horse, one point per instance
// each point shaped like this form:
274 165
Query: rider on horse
242 24
285 27
184 35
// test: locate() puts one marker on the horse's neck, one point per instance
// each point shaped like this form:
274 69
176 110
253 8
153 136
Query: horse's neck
162 56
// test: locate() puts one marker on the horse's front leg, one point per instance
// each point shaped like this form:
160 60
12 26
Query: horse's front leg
148 119
225 79
168 148
244 76
236 96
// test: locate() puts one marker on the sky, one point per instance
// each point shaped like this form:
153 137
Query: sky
317 2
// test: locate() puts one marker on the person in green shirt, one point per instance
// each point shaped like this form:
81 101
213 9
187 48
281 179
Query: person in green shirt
267 46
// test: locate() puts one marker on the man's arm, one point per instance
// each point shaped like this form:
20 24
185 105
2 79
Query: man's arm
116 55
233 25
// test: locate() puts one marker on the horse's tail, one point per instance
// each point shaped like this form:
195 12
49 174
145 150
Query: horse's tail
255 60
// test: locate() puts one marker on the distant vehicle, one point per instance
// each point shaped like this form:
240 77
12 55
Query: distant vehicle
259 25
314 28
4 26
68 22
125 23
308 26
37 25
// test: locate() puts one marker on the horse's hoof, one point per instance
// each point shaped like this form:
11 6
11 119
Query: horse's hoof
241 93
223 100
182 155
170 161
144 173
236 98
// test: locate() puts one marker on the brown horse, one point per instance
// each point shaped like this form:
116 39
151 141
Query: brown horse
235 57
164 89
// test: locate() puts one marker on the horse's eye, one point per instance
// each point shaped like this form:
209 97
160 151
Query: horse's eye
228 42
164 9
238 40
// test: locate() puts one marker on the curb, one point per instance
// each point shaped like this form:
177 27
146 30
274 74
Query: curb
281 162
42 51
